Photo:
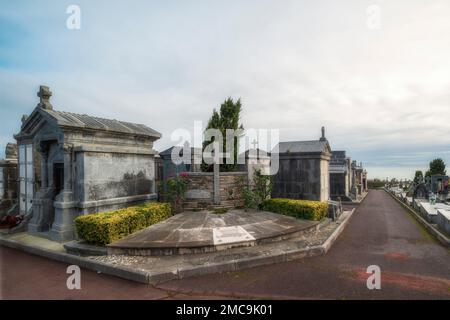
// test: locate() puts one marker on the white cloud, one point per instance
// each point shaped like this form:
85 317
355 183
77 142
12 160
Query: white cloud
296 65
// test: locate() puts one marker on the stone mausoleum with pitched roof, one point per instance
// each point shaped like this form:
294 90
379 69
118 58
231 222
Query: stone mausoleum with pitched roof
341 176
71 164
303 170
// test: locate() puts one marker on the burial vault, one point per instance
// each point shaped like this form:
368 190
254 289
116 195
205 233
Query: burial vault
303 170
340 176
72 164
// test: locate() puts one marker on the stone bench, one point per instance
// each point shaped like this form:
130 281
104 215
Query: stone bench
443 220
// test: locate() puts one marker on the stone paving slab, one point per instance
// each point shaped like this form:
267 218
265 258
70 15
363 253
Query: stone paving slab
157 269
205 231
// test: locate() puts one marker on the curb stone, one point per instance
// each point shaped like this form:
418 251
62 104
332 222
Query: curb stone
206 269
181 273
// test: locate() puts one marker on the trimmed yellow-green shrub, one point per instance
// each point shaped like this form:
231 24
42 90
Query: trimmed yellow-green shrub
302 209
104 228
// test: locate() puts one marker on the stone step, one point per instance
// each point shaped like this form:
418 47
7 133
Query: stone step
195 205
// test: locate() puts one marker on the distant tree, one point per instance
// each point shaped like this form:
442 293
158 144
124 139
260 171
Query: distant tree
227 118
418 177
437 166
376 183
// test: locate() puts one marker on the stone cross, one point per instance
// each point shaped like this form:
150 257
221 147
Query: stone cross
44 95
216 188
255 144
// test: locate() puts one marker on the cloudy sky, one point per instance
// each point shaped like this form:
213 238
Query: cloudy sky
380 87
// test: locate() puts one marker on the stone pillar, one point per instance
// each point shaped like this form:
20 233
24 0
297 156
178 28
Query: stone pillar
216 183
43 151
42 202
67 150
65 206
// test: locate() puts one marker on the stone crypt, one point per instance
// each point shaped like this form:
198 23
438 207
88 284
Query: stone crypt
8 180
73 164
303 170
340 176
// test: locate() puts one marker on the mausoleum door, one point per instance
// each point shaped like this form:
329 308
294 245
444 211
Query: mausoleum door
26 177
58 178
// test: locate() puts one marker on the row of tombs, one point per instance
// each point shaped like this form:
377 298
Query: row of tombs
66 164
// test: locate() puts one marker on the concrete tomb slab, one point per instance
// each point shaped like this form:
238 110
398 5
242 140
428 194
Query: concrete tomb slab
205 231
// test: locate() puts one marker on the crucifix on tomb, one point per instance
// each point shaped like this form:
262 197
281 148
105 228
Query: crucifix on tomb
216 183
255 144
255 148
44 95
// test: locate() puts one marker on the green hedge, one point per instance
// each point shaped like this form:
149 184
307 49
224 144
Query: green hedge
104 228
302 209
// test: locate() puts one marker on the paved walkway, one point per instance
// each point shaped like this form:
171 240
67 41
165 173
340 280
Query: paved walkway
381 232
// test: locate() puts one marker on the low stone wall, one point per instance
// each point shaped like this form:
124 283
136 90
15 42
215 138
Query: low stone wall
200 193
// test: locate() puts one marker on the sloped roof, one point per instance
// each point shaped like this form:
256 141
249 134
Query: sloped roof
168 152
338 168
314 146
69 119
338 154
256 152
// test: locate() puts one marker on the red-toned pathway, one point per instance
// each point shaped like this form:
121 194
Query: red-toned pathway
413 266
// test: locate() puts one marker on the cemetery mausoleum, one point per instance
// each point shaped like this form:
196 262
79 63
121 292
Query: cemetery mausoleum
71 164
340 176
303 170
359 177
8 179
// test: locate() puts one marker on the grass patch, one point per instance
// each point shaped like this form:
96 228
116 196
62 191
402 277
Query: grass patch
220 211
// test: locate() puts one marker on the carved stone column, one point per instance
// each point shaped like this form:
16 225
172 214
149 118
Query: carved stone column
67 150
42 202
216 184
65 206
43 151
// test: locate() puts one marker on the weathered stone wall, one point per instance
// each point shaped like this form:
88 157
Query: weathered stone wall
200 192
231 185
113 175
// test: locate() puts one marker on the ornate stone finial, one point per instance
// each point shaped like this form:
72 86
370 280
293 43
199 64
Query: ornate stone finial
11 151
44 94
323 135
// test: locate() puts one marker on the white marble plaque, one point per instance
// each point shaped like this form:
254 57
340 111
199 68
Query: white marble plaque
227 235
